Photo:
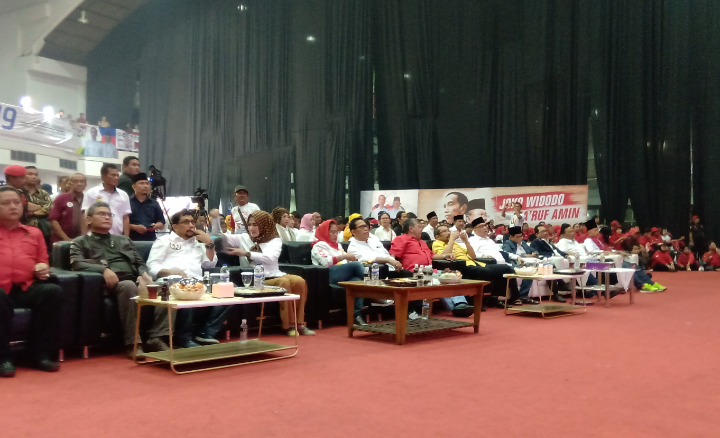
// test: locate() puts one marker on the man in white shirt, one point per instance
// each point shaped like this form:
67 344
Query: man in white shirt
432 218
367 247
243 207
458 223
186 252
118 201
575 250
517 219
484 247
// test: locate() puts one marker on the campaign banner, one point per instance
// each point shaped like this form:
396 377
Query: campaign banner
550 204
91 140
373 202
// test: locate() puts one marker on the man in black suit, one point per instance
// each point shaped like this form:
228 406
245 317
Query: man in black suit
547 249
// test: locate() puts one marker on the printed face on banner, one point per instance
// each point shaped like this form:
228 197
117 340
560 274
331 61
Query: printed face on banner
390 201
551 204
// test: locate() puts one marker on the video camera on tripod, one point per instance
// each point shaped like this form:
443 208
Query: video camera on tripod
157 181
199 198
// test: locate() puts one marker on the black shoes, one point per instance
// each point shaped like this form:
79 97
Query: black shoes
558 298
360 321
7 369
463 310
129 352
156 344
529 300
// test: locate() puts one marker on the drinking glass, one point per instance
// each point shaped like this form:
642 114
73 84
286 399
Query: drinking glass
247 278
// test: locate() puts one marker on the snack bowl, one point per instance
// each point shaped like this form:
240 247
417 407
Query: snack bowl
188 290
449 278
528 270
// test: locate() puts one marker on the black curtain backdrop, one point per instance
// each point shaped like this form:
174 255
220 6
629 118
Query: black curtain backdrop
468 94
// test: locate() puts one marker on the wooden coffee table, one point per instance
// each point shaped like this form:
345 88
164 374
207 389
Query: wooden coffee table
402 295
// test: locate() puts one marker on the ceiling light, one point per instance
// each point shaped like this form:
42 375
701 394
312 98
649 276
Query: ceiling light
242 8
311 38
25 101
48 113
82 18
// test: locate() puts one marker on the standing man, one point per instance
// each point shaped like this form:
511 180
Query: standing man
147 216
432 218
66 213
517 219
15 178
108 193
186 252
39 204
62 187
24 259
130 168
243 208
123 269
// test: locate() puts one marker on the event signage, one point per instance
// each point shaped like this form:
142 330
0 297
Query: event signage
552 204
65 134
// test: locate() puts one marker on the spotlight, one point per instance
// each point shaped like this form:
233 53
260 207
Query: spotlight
25 101
242 8
48 113
310 38
82 18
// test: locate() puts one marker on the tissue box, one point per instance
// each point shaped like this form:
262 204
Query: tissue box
223 290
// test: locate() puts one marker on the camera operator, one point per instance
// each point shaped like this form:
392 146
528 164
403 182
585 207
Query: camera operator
243 207
147 216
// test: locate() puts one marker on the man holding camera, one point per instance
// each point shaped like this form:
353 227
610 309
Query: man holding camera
147 216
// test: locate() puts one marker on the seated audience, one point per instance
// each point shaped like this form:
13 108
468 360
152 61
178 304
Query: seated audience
384 232
616 236
458 223
575 250
342 266
711 259
516 245
317 220
344 229
65 215
283 223
262 245
594 243
542 246
295 216
686 260
146 217
400 219
527 231
23 284
368 248
432 218
306 233
445 244
115 258
411 251
661 260
186 252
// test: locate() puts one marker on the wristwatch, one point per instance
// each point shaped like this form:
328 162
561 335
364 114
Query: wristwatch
210 245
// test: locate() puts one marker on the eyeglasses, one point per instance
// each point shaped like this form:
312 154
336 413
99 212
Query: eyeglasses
104 214
361 226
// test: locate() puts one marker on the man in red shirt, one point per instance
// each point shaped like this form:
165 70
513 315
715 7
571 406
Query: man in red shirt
686 260
617 237
66 213
661 260
24 258
711 259
411 251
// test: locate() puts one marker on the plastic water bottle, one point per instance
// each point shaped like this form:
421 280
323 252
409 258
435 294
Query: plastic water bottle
375 278
225 273
435 277
425 309
366 277
259 277
243 331
421 276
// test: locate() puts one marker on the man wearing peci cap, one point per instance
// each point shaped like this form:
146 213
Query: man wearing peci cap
242 210
15 178
147 216
432 218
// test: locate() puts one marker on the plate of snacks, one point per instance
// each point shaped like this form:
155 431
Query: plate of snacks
400 282
450 277
527 270
188 289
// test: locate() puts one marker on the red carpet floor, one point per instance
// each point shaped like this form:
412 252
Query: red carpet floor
647 370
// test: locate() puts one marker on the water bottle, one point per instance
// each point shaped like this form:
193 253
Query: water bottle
243 331
425 309
225 273
415 273
421 276
435 277
259 277
366 277
375 274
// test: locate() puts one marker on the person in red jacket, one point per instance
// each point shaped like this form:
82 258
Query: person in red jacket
711 259
617 237
661 260
687 261
527 231
655 237
645 238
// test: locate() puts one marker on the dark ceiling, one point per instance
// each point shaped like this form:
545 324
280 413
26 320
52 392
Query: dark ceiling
72 41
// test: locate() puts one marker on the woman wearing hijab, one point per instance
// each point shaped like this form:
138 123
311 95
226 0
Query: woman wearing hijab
262 244
384 232
343 266
305 233
283 224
